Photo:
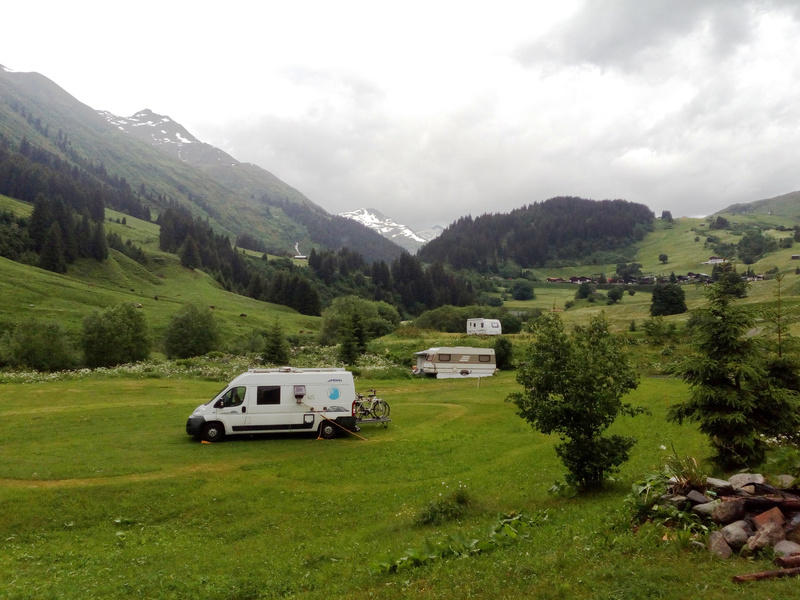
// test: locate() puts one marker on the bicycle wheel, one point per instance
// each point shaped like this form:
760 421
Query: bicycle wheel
362 410
380 409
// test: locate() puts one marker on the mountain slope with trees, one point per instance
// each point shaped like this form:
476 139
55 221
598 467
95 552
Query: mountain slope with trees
563 230
234 197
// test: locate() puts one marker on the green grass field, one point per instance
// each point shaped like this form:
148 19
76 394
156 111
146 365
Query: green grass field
105 496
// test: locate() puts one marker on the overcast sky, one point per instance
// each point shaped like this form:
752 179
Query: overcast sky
428 111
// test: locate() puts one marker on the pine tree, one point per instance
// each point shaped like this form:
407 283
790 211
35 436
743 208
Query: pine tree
190 253
348 350
99 245
52 255
40 221
735 394
276 349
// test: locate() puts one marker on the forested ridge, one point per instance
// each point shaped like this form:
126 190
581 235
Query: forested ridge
560 230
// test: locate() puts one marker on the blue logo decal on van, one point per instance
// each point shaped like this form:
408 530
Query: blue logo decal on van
333 393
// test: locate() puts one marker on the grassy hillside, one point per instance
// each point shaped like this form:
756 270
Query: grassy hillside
785 205
161 287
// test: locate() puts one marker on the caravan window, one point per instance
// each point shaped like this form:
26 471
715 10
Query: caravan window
444 358
484 358
268 394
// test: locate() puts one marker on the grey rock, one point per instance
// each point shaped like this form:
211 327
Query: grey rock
706 511
728 511
675 500
696 497
742 479
719 486
784 481
787 548
718 546
769 535
736 534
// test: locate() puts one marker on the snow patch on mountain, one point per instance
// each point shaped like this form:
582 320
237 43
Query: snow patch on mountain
431 233
400 234
164 133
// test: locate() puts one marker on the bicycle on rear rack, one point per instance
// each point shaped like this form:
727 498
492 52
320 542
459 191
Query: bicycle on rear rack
370 407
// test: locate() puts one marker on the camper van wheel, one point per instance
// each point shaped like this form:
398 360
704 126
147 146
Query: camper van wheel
464 373
327 430
213 432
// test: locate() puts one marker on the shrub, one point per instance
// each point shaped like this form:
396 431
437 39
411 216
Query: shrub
39 346
615 294
192 331
448 507
522 290
668 299
115 336
376 318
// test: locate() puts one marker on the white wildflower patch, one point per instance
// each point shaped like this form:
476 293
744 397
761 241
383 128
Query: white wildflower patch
218 367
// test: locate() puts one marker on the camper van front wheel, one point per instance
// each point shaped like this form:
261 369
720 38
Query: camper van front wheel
327 430
213 432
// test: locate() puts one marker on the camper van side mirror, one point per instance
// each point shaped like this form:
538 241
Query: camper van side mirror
218 403
299 393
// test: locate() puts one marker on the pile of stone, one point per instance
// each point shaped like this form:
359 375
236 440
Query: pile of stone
750 512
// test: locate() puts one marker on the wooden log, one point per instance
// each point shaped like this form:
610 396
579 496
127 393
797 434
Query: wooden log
767 575
765 503
788 561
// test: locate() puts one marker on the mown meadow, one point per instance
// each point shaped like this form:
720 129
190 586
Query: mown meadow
104 496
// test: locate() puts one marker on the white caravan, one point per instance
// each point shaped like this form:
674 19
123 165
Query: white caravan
456 362
278 400
484 327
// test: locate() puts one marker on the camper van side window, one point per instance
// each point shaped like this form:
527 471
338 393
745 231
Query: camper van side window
234 396
484 358
268 394
444 358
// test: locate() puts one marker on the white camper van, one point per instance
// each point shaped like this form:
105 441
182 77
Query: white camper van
278 400
484 327
456 362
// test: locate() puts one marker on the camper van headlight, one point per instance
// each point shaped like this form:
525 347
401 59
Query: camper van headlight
198 409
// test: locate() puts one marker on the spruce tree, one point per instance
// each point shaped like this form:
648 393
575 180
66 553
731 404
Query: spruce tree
348 350
276 350
52 255
735 395
190 253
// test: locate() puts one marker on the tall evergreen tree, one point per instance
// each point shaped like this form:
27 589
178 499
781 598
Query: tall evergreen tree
52 255
40 222
276 349
190 253
732 396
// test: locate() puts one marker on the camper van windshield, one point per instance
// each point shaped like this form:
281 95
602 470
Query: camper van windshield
214 397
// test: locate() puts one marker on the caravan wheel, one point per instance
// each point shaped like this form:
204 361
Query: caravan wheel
213 432
327 430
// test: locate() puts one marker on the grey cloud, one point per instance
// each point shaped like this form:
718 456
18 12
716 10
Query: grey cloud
626 34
